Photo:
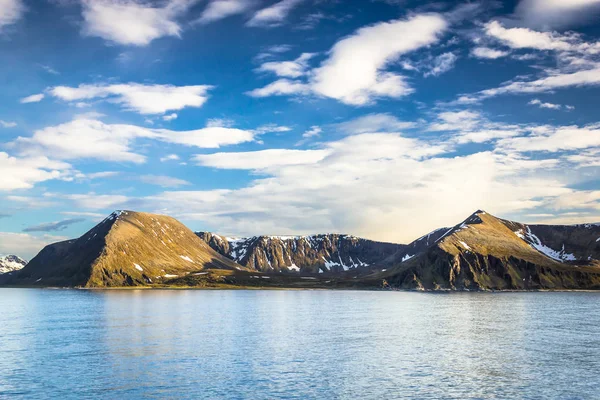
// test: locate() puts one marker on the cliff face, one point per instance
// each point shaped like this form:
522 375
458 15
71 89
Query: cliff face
327 253
126 249
487 253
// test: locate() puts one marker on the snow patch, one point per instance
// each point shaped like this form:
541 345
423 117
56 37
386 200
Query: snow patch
138 267
186 258
407 257
537 244
466 246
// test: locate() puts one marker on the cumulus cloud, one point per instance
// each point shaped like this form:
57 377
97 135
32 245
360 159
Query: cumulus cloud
144 99
92 139
545 14
488 53
34 98
274 15
394 181
220 9
10 12
53 226
355 71
25 172
456 120
169 117
129 22
289 69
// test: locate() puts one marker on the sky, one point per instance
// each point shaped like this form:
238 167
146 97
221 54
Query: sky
382 119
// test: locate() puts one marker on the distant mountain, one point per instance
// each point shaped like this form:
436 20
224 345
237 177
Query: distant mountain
485 252
11 263
125 249
481 253
325 253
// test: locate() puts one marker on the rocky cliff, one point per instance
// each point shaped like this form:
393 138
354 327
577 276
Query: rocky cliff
326 253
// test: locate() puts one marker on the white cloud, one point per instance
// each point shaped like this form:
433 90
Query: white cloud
144 99
170 117
263 159
524 38
281 87
312 132
25 245
551 106
554 139
441 64
456 120
372 123
219 9
488 53
25 172
355 71
273 15
7 124
163 180
170 157
556 13
390 180
289 69
92 139
590 77
10 12
129 22
34 98
271 51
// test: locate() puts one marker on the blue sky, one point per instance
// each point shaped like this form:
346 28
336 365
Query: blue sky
384 119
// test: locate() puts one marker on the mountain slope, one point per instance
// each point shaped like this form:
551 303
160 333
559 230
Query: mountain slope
11 263
126 249
326 253
485 252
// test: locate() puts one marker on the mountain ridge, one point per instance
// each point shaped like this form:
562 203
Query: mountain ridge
482 252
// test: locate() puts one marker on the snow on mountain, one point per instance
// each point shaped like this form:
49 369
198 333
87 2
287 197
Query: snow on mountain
11 263
320 253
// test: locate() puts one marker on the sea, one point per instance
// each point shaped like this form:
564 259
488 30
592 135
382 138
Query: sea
298 344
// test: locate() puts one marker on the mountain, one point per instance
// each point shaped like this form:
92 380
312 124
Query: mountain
326 253
481 253
125 249
11 263
488 253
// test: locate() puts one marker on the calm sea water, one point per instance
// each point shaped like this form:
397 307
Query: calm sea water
298 344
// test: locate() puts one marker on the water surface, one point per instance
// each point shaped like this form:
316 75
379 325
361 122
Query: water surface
298 344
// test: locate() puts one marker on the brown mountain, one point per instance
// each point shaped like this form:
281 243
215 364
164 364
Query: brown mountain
326 253
485 252
126 249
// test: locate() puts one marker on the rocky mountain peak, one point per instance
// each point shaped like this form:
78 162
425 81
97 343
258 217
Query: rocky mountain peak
10 263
